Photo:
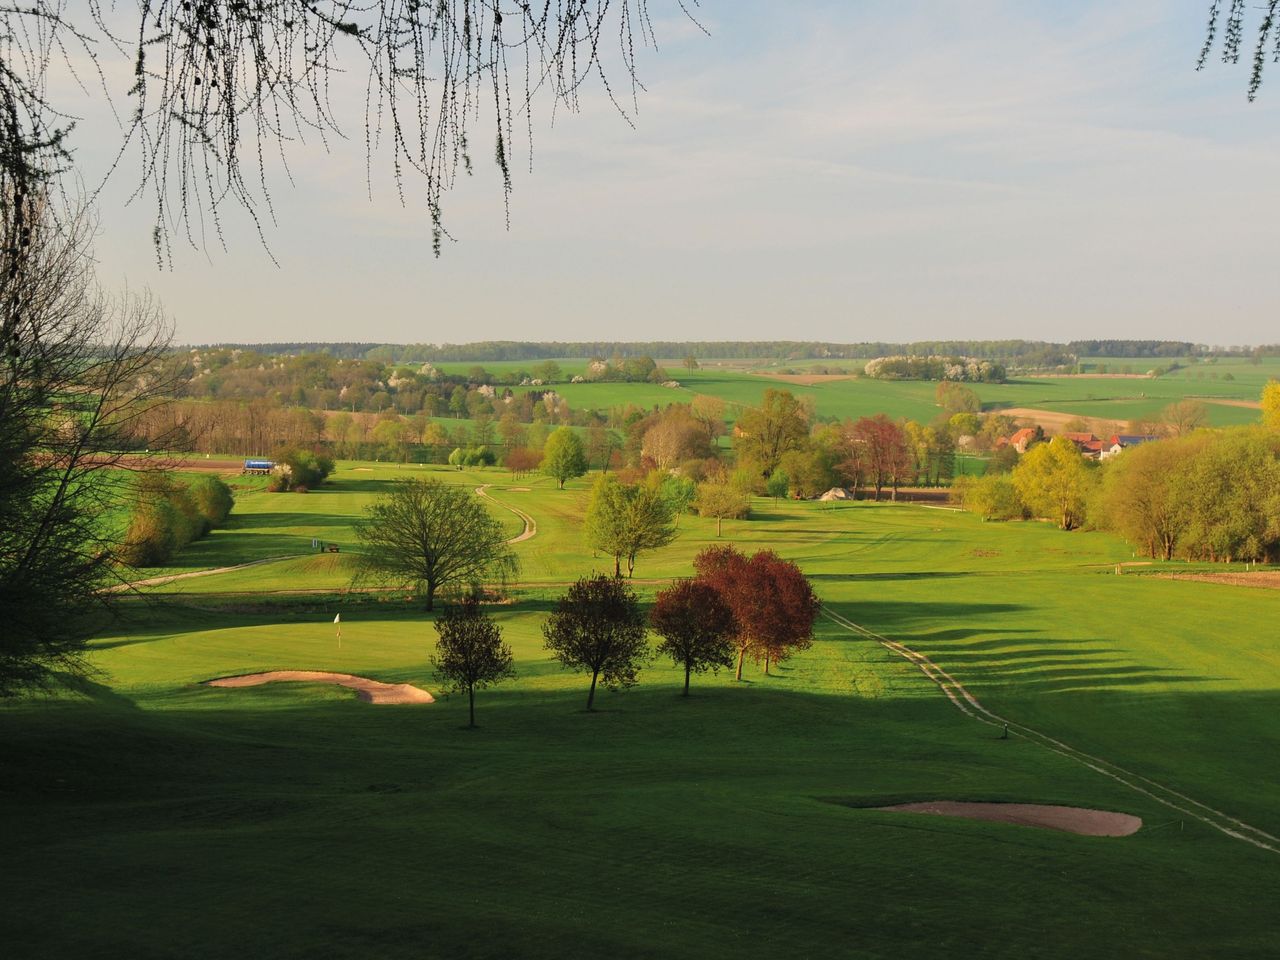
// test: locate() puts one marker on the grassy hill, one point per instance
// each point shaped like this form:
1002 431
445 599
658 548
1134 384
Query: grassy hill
148 815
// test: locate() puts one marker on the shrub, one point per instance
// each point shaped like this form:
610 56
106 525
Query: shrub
213 499
300 468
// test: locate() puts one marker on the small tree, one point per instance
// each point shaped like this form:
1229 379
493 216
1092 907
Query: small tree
721 500
433 534
597 628
778 484
212 498
563 457
470 654
679 493
696 626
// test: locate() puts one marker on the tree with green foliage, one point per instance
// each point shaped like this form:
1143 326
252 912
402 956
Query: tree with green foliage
597 627
1144 494
991 496
548 371
212 498
721 500
678 492
299 470
625 520
432 535
470 654
696 625
1054 481
766 432
563 457
778 485
1232 488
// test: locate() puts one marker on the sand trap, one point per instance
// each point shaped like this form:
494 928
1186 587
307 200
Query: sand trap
1089 823
370 691
520 489
362 469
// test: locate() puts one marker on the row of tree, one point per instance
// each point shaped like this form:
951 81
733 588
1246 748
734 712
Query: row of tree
736 606
1206 495
169 513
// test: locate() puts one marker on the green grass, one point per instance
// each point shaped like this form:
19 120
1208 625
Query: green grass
151 816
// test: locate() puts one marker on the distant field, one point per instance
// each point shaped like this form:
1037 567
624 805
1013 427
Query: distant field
1118 398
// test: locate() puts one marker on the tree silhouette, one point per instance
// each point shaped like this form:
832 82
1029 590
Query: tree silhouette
220 86
433 534
597 627
470 654
696 626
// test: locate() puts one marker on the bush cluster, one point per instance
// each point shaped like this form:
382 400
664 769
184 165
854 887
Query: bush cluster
170 514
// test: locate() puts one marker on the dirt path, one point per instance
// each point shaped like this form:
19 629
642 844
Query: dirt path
370 691
969 705
1054 420
157 581
530 524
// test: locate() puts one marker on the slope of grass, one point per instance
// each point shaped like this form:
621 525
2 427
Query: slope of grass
151 816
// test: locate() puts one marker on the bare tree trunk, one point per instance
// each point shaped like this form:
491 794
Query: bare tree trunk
471 696
591 696
719 523
687 667
742 654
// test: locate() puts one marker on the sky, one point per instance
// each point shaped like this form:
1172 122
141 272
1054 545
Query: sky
819 171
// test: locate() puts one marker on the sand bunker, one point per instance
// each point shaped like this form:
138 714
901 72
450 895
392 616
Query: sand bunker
370 691
1089 823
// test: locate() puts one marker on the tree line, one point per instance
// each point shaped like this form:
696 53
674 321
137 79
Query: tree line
735 607
1210 495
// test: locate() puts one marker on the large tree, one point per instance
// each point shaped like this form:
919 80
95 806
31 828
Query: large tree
1144 494
1054 481
433 535
470 654
597 627
765 433
78 369
696 626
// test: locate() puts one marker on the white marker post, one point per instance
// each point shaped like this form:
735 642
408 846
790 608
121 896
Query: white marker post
337 618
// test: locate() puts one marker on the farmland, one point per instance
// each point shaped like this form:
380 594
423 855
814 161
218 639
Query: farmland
170 818
1102 397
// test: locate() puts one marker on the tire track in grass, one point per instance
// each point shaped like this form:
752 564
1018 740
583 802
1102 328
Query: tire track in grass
530 524
970 706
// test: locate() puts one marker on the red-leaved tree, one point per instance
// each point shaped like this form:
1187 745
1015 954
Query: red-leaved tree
696 626
773 605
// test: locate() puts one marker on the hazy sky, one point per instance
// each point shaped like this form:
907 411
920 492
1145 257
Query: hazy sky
836 171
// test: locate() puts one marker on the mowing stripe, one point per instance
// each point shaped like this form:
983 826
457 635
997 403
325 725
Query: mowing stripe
969 705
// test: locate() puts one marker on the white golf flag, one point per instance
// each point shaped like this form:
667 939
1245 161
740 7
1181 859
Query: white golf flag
337 618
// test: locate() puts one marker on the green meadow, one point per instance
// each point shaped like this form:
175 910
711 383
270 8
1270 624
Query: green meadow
1112 398
147 815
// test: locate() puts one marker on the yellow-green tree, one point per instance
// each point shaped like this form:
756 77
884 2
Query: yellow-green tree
1271 405
1054 481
